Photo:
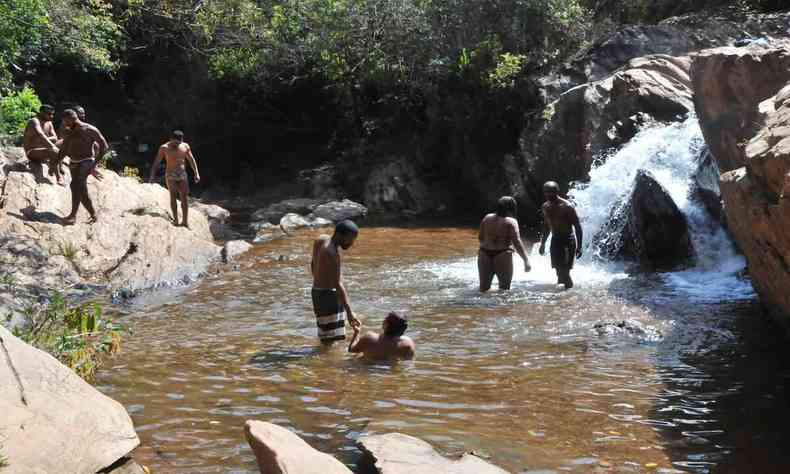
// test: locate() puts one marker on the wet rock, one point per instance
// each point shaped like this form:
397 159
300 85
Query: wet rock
729 84
274 212
53 421
268 232
292 222
396 453
706 185
217 219
647 227
125 466
628 328
336 211
133 246
395 190
233 249
279 451
593 118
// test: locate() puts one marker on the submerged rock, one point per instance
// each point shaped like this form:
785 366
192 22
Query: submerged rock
279 451
628 328
53 421
397 453
268 232
647 227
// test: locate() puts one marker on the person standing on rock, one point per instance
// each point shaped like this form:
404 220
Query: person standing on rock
176 152
390 344
330 298
40 141
82 144
561 221
498 236
64 130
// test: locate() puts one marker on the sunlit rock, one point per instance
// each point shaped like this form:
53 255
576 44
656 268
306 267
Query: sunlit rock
274 212
233 249
336 211
52 420
279 451
706 185
647 227
397 453
292 222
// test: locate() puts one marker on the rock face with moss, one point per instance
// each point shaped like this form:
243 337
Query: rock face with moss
53 421
132 247
743 101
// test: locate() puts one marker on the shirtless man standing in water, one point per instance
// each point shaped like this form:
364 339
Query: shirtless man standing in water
176 152
498 236
330 299
40 141
82 144
560 220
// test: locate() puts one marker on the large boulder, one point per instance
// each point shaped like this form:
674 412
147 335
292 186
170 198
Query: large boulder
274 212
397 453
233 249
279 451
217 219
293 222
132 247
706 185
757 202
729 84
395 189
647 228
591 119
337 211
53 421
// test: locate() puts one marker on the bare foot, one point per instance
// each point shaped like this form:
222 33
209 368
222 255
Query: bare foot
93 219
185 225
69 220
175 223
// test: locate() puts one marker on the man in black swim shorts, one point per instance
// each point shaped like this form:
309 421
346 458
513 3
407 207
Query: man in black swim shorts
561 221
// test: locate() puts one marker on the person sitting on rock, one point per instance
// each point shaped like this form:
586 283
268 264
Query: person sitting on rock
176 152
391 344
40 141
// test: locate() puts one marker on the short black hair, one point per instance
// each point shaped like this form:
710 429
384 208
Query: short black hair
506 207
177 134
70 113
46 108
398 323
79 109
346 227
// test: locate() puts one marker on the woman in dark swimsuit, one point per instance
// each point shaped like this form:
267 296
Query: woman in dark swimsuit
499 235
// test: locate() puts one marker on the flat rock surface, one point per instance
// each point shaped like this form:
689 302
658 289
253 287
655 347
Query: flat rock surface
396 453
279 451
53 421
133 246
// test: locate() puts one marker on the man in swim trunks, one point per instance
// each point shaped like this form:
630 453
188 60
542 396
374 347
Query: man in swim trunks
176 152
560 220
391 344
64 130
498 236
330 299
40 141
82 144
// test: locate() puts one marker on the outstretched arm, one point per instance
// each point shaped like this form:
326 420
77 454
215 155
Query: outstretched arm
193 164
159 156
577 226
343 295
519 245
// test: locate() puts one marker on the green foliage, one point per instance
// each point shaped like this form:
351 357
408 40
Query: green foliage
78 336
66 249
7 279
16 109
131 172
21 28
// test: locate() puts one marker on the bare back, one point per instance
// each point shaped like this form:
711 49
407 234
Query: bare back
326 263
560 215
380 347
32 139
497 232
79 143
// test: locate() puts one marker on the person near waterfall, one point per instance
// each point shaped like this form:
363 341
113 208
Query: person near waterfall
175 153
330 298
561 221
82 145
499 236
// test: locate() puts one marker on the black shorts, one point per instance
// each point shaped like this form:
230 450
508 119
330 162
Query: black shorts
563 251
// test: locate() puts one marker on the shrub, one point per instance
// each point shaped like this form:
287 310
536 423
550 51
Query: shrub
78 336
16 109
131 172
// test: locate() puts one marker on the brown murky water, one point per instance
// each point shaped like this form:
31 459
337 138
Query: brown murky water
522 377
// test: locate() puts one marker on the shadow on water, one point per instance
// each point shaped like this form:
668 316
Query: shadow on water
725 407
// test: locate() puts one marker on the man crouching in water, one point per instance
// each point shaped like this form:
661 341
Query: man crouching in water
330 299
176 152
80 145
560 220
391 344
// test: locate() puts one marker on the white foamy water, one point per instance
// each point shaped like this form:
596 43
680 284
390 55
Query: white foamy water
670 154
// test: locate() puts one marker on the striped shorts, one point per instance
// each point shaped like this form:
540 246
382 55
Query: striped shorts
329 315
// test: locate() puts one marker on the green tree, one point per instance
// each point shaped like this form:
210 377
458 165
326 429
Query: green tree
16 109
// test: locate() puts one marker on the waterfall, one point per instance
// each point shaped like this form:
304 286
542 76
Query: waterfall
670 153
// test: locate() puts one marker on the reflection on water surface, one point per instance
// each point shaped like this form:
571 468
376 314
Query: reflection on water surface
522 377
